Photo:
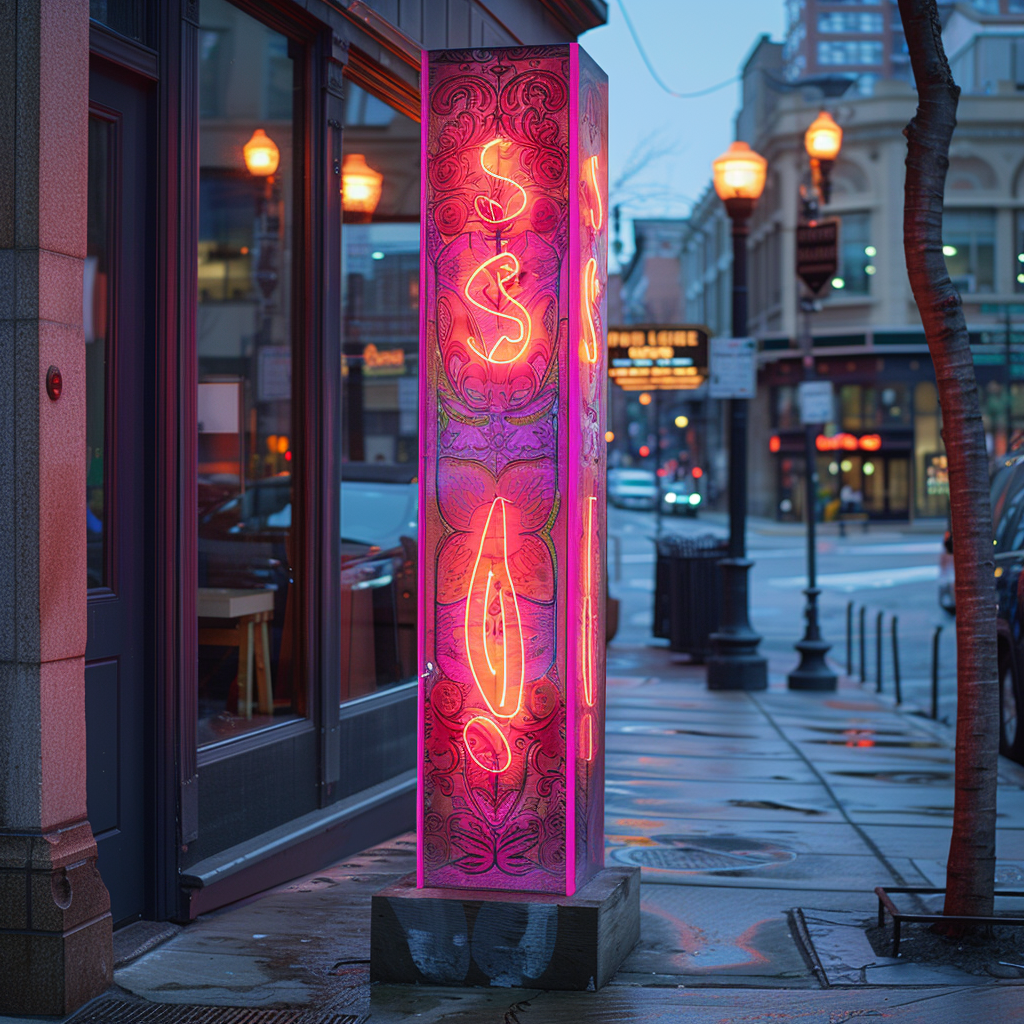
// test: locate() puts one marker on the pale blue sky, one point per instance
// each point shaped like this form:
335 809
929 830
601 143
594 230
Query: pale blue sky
692 44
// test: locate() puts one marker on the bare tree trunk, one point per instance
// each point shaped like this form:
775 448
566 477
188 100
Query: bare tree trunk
970 873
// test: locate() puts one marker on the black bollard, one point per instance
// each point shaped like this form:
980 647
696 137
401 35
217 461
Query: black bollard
896 658
878 652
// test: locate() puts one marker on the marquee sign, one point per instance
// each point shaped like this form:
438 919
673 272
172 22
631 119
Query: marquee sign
512 477
657 358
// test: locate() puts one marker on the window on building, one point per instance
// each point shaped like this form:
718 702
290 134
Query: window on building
249 506
856 255
850 51
379 393
787 408
850 21
968 243
1018 251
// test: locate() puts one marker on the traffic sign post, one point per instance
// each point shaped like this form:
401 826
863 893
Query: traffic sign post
816 404
817 253
733 369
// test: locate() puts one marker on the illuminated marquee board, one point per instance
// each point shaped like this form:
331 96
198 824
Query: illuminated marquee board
657 358
512 481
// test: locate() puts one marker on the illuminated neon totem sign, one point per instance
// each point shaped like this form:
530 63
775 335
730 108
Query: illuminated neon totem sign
512 482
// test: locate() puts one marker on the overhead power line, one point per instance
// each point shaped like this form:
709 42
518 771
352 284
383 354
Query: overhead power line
656 76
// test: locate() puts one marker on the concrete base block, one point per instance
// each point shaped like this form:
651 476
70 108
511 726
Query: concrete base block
509 940
56 947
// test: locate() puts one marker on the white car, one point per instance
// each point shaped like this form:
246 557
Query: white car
632 488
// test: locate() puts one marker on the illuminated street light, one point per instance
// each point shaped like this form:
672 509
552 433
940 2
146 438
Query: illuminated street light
823 140
739 176
682 421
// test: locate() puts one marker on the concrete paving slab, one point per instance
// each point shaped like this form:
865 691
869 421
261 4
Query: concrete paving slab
667 766
697 746
658 726
917 803
932 841
772 801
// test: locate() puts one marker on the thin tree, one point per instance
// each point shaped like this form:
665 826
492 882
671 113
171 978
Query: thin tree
970 871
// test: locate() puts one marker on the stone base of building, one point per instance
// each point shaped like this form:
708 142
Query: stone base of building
528 940
55 926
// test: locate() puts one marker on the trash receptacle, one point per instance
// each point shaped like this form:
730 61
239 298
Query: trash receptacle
688 592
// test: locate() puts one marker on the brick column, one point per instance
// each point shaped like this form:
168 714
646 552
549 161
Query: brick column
55 927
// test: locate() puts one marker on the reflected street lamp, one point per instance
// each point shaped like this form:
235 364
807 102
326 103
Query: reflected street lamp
735 664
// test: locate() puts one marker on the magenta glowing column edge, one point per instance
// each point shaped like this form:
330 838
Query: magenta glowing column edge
421 567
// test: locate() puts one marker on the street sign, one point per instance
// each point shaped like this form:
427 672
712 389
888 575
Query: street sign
816 402
733 368
817 253
657 357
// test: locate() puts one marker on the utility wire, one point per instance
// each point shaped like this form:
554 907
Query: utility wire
657 77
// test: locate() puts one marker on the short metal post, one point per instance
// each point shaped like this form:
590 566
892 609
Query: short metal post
863 659
896 658
849 638
878 652
935 671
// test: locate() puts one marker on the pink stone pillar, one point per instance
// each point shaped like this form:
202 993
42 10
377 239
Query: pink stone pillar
55 927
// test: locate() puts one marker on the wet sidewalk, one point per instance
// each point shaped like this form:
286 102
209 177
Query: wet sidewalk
761 823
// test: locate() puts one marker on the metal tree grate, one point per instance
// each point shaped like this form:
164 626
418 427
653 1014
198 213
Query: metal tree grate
122 1011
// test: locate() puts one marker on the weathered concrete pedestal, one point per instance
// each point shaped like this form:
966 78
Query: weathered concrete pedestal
527 940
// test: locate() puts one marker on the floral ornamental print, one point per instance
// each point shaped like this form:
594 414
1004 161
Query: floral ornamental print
512 468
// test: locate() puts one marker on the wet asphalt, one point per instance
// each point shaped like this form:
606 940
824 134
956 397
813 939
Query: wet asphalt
761 823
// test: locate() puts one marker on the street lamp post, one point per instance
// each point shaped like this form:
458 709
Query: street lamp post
735 664
822 142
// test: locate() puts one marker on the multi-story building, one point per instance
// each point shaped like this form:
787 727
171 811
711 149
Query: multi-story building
863 40
867 335
207 653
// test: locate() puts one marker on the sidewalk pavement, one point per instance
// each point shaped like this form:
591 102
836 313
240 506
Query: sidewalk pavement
761 822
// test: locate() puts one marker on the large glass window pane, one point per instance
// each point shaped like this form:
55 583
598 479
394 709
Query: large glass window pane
380 374
968 243
250 674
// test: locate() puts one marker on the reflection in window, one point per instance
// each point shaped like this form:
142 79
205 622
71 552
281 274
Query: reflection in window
856 255
380 396
249 670
96 301
968 243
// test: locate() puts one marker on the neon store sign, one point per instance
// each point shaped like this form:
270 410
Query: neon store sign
512 479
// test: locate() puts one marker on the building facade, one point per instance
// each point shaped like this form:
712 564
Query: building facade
866 331
209 280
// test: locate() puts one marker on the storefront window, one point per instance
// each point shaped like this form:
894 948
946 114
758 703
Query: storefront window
886 406
850 413
856 255
931 488
380 396
1018 251
250 675
968 243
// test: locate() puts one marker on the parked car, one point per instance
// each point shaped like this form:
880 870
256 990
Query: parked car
632 488
679 497
1007 496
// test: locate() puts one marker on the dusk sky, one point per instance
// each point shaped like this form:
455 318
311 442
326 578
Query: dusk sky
692 44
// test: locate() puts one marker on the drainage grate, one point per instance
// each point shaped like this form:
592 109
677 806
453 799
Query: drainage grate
710 854
121 1011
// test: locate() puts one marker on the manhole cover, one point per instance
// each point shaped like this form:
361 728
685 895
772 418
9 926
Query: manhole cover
709 855
121 1011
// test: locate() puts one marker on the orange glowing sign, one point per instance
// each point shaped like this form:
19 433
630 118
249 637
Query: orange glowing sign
590 294
848 443
491 286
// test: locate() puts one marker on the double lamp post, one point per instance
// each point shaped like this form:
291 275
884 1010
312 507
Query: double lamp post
735 664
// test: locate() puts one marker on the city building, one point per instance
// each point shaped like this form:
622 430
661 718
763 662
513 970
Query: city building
885 442
209 274
863 41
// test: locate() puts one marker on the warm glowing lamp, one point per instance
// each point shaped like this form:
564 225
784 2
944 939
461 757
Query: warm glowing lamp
823 140
261 154
360 186
739 174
